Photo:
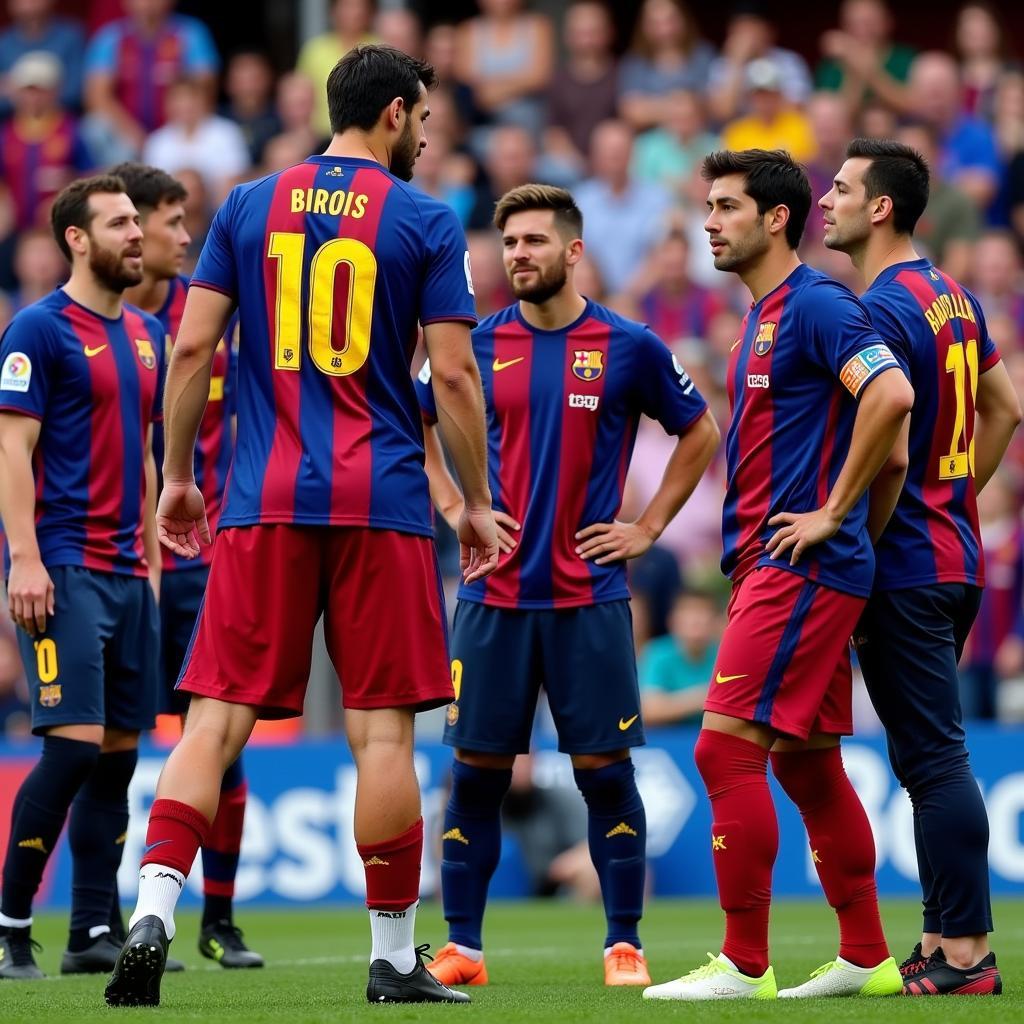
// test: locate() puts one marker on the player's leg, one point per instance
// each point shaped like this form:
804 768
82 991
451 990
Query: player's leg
64 668
581 645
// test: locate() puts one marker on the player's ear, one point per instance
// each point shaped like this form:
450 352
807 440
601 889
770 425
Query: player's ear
574 252
778 218
881 209
394 112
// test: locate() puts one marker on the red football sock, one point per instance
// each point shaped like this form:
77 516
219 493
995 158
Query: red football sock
744 842
842 845
393 869
175 833
223 843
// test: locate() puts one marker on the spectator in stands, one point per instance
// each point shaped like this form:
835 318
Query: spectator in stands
401 28
622 218
39 266
584 88
773 121
249 85
860 59
490 282
831 124
295 105
197 212
668 55
447 175
440 54
751 36
35 27
997 280
674 670
130 64
668 153
511 160
196 137
351 24
983 50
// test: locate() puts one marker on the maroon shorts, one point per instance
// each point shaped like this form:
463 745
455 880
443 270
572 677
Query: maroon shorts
784 660
384 622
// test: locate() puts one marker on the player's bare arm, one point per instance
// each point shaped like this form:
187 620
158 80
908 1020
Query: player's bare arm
888 485
30 595
998 414
181 509
880 415
616 541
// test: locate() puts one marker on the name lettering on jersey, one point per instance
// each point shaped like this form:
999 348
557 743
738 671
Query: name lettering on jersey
16 374
684 378
584 402
865 364
758 380
946 308
319 200
765 337
216 389
588 364
146 354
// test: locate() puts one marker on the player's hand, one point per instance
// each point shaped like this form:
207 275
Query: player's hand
613 542
800 531
478 544
503 523
30 595
180 515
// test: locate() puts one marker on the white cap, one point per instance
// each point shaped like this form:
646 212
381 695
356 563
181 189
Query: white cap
38 68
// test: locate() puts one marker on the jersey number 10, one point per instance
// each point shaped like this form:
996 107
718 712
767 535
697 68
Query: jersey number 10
288 247
960 461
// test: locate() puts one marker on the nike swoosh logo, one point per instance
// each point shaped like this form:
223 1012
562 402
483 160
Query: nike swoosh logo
728 679
625 723
90 352
153 846
499 365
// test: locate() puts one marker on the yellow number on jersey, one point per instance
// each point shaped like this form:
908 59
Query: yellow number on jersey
964 367
46 660
457 677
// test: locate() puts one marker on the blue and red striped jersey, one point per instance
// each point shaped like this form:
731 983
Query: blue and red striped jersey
333 262
562 414
937 328
94 384
215 442
806 354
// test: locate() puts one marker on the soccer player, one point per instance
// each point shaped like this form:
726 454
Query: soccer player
331 262
817 404
159 198
79 393
565 381
929 563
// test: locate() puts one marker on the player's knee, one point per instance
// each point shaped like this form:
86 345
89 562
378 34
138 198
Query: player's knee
610 789
380 732
479 788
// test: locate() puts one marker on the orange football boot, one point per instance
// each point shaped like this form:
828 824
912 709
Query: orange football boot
625 965
451 967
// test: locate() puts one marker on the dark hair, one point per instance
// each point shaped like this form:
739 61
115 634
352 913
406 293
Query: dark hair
71 207
149 187
568 218
367 79
771 178
896 171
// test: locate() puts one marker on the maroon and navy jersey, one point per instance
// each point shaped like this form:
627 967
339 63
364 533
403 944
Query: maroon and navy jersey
806 354
937 329
562 413
215 441
94 384
681 316
333 262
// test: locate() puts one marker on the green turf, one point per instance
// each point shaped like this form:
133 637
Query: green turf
544 962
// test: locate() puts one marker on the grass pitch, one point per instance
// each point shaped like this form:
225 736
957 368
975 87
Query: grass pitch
544 960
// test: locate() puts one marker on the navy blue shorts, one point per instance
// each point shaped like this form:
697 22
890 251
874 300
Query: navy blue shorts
583 657
96 664
181 597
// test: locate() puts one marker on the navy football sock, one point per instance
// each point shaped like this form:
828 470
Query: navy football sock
618 840
221 850
96 833
471 846
37 817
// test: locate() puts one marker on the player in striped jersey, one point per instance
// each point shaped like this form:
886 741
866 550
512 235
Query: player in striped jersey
930 570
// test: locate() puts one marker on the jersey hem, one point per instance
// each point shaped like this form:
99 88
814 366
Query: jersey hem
22 412
195 282
441 318
825 580
541 606
283 519
139 572
909 583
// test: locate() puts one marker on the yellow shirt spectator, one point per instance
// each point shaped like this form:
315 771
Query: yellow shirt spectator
316 61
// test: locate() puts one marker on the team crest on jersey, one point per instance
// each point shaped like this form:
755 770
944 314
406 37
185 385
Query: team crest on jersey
933 275
147 356
50 696
453 713
765 337
335 172
588 364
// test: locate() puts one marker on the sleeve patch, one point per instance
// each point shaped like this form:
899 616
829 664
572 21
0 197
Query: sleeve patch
864 365
16 374
424 375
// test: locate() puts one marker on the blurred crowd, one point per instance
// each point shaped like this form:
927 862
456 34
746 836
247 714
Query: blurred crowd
557 95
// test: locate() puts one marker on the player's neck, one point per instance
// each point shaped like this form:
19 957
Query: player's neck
769 272
357 145
559 311
884 252
150 294
87 291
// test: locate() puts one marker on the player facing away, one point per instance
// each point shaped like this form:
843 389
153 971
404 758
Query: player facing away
79 393
565 383
160 200
817 404
929 564
331 263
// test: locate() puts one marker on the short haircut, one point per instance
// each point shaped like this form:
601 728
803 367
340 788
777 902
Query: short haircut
367 79
897 171
71 207
568 218
149 187
771 178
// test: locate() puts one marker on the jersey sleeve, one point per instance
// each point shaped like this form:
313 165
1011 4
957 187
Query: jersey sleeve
842 339
988 352
425 394
666 391
446 292
27 364
216 268
891 329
